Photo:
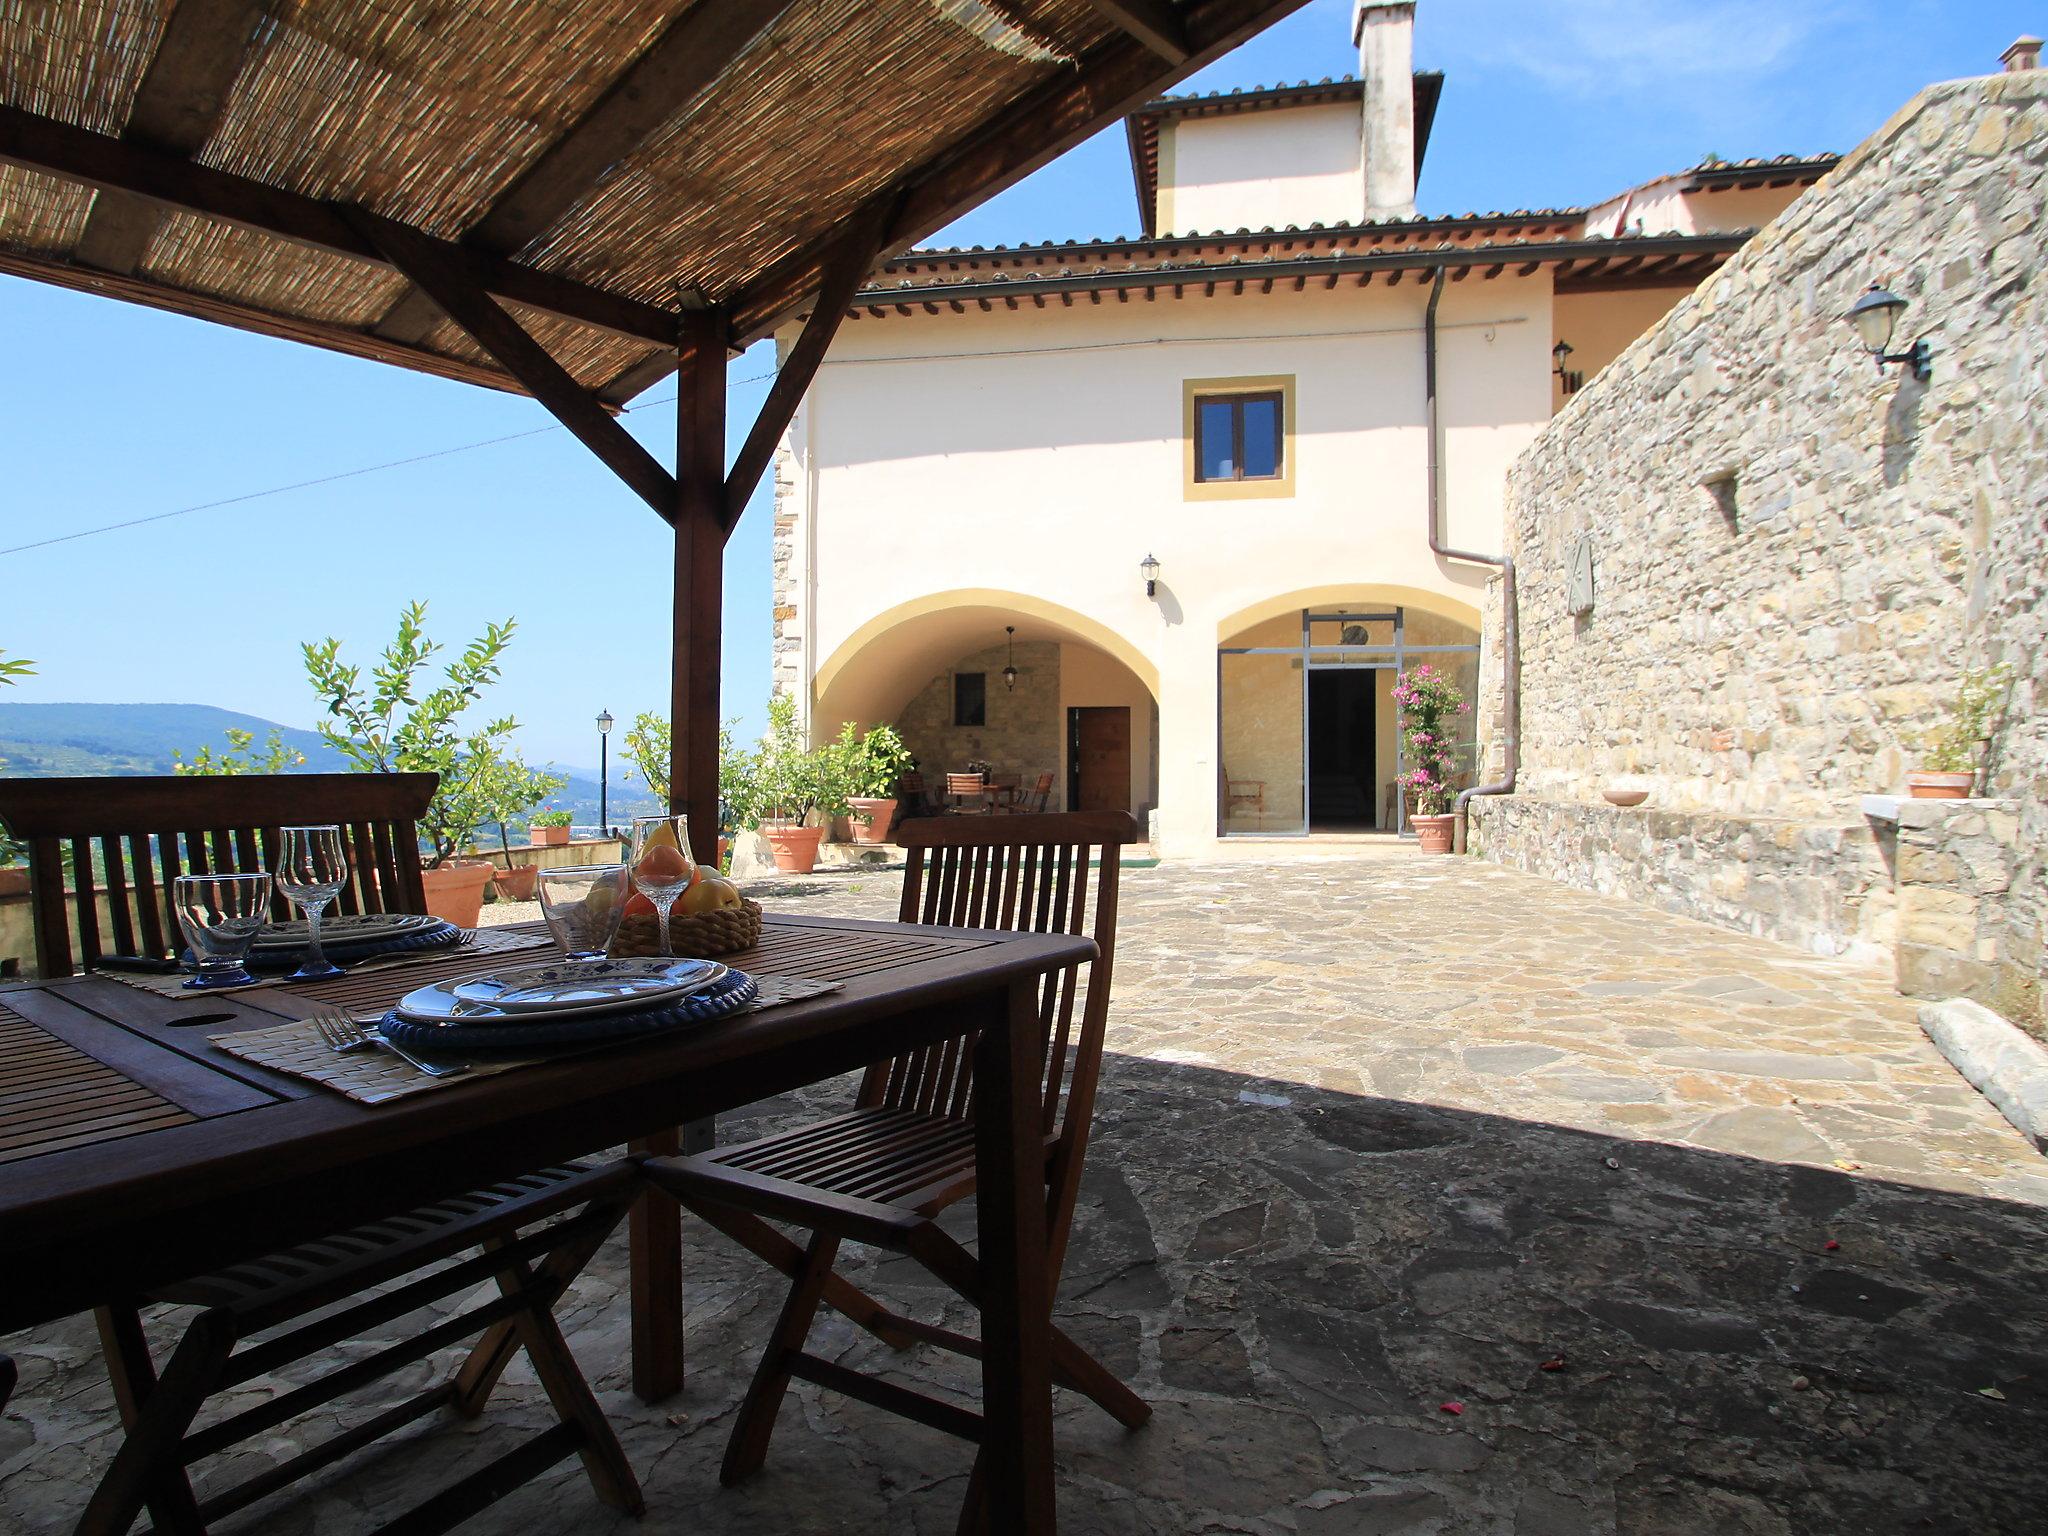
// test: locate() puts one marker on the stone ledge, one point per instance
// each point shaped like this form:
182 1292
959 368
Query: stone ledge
1823 885
2000 1062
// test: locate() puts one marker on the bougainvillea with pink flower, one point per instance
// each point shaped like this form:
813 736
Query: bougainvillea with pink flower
1429 703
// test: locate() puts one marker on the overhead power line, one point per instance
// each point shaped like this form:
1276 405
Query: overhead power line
342 474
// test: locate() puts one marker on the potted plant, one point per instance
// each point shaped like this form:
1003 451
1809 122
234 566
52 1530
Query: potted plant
1428 702
387 727
548 828
793 784
873 764
1953 761
648 744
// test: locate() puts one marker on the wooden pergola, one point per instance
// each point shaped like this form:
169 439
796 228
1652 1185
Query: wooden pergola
567 199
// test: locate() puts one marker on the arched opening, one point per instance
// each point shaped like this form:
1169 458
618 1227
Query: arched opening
1080 710
1308 732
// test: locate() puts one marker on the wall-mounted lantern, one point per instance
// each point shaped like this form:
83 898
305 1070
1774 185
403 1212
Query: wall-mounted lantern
1149 568
1010 671
1875 316
1568 379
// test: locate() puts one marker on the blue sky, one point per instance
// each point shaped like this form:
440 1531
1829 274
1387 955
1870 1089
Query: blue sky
110 412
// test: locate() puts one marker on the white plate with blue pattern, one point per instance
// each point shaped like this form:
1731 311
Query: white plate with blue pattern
558 987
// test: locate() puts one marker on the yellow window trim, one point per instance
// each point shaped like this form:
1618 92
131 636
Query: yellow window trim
1281 484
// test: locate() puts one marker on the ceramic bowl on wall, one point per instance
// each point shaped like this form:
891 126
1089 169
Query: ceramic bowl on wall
1624 795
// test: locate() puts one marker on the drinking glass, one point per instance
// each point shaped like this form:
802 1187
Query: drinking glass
661 865
583 904
220 915
312 869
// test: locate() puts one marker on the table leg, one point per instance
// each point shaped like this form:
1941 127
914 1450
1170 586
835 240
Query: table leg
655 1232
1016 1309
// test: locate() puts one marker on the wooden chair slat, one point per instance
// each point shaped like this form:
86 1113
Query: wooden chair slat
130 838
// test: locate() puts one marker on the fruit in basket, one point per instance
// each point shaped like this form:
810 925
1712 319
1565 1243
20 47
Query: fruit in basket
712 893
637 906
661 864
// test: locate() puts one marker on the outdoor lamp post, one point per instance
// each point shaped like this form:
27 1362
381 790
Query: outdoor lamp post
1875 316
604 731
1149 567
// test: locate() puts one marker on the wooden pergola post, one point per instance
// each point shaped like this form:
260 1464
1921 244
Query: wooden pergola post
700 531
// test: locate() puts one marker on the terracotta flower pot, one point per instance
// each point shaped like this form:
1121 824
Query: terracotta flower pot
795 848
517 883
871 820
455 891
1434 832
547 837
1940 786
14 880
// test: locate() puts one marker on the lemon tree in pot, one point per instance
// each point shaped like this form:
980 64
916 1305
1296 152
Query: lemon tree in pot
794 789
872 763
1951 767
391 724
1429 702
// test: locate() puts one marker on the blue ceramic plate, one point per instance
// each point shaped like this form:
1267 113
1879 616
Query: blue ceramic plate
511 1036
553 988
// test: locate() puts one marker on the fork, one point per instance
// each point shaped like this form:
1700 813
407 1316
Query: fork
343 1034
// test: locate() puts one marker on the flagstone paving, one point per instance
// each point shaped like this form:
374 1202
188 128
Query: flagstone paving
1696 1232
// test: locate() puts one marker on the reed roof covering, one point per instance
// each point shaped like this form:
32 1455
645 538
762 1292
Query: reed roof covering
596 165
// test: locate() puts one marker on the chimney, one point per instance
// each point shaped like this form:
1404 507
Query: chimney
2025 53
1385 33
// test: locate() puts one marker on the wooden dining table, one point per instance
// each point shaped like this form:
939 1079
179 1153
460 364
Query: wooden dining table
133 1152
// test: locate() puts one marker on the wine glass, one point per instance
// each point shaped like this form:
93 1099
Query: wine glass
583 904
661 865
312 869
221 915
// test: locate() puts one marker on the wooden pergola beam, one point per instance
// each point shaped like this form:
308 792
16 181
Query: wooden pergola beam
858 253
201 306
1155 23
1039 127
96 160
429 266
176 108
682 62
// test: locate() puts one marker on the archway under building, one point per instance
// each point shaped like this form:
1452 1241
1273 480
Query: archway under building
1308 732
1083 709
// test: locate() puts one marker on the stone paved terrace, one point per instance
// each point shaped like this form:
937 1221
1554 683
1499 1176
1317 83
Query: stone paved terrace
1376 1136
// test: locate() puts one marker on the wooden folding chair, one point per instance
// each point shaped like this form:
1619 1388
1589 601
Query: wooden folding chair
914 798
964 794
126 839
535 1234
1032 801
882 1172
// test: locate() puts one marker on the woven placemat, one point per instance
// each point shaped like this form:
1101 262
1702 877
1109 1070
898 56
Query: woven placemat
377 1076
481 941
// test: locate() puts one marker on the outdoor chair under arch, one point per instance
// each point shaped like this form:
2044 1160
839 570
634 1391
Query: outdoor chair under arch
882 1172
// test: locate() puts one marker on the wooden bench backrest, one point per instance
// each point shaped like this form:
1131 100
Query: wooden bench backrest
128 838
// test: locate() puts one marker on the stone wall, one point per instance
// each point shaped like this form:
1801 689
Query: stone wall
1956 862
1022 735
1824 886
1797 554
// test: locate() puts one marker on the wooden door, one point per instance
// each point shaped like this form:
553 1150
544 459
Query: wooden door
1099 746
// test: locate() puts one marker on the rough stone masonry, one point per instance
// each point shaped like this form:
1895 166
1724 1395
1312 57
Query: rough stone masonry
1798 555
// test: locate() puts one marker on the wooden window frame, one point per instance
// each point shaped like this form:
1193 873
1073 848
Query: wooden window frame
970 725
1194 392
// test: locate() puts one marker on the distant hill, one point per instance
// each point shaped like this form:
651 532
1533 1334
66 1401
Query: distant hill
80 740
68 740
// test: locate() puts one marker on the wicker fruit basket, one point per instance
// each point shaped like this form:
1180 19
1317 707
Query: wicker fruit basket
695 936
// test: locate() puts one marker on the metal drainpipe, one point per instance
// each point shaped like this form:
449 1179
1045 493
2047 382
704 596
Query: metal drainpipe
1510 627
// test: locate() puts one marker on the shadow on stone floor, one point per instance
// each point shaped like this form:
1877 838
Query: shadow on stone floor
1300 1280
